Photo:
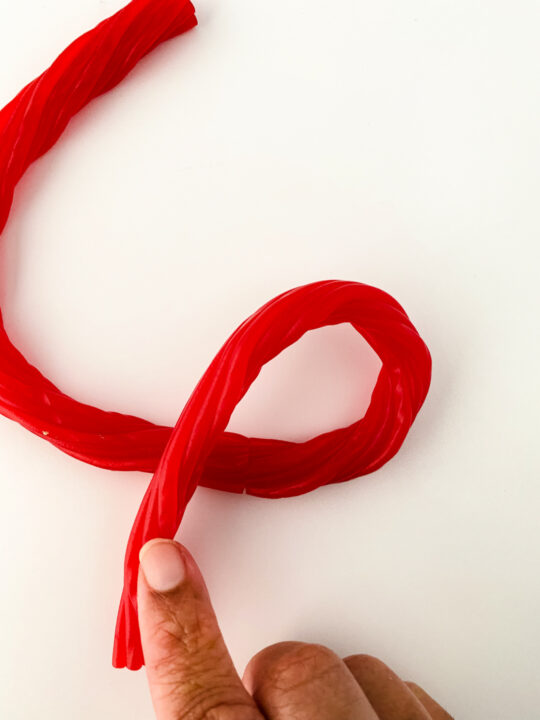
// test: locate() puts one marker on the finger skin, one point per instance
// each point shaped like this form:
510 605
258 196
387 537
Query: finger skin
433 708
300 681
387 693
190 671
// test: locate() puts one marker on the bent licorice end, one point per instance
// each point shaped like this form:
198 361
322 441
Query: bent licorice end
198 450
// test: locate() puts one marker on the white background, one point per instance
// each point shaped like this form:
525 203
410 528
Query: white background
392 142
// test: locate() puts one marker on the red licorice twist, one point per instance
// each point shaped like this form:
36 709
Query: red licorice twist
198 450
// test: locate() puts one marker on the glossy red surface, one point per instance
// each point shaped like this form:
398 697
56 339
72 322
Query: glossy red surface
198 450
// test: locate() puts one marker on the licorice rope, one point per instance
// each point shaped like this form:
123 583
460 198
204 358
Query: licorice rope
198 450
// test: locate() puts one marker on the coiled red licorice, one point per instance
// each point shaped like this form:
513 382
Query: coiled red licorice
198 450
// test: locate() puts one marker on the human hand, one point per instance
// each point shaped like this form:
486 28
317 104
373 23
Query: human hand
192 676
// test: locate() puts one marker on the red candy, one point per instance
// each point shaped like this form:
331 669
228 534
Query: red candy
198 450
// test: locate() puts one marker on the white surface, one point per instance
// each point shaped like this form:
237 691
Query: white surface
394 143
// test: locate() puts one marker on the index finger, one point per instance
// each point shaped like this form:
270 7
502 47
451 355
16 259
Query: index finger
190 671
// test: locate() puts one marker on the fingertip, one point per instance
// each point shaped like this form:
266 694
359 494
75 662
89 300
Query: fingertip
163 565
150 543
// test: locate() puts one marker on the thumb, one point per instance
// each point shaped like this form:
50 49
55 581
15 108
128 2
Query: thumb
189 668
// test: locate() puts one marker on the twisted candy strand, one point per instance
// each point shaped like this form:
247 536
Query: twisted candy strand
198 450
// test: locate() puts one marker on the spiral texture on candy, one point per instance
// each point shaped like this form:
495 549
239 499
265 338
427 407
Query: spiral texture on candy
198 450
